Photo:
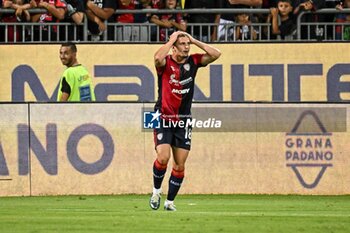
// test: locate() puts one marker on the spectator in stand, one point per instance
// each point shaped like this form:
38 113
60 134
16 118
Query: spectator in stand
21 15
142 32
342 32
202 33
75 14
124 32
331 4
169 23
154 4
315 32
130 32
2 29
226 19
244 31
56 11
267 4
287 28
97 12
263 18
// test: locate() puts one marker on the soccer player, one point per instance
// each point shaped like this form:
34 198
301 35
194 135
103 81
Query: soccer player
176 76
76 83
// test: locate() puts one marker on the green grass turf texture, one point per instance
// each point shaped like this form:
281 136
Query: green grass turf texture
196 213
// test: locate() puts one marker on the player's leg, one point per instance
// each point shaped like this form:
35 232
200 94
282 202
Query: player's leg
162 139
177 175
181 146
159 169
160 164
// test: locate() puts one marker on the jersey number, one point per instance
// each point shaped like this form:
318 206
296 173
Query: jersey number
188 133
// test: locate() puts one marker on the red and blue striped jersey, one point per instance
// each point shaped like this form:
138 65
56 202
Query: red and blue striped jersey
176 87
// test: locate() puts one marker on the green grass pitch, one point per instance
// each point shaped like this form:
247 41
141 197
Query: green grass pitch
196 213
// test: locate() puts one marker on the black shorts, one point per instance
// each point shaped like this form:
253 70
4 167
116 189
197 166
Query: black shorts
175 136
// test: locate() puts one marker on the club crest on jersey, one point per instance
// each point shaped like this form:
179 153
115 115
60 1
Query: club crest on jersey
160 136
187 67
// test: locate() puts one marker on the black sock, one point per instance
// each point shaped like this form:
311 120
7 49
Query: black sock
175 182
158 174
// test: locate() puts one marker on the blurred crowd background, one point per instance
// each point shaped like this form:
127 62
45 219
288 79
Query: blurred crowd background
25 21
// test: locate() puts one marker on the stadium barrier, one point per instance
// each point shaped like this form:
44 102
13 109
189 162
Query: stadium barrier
102 148
142 32
244 73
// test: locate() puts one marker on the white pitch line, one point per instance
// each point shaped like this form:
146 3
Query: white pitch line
77 210
233 214
275 214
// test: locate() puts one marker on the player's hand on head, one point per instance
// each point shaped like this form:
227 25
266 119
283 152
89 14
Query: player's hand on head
173 37
189 36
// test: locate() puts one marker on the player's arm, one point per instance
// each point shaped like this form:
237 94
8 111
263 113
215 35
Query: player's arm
160 55
211 54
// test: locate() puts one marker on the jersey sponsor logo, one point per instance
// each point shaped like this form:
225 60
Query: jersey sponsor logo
173 80
183 91
185 81
83 78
